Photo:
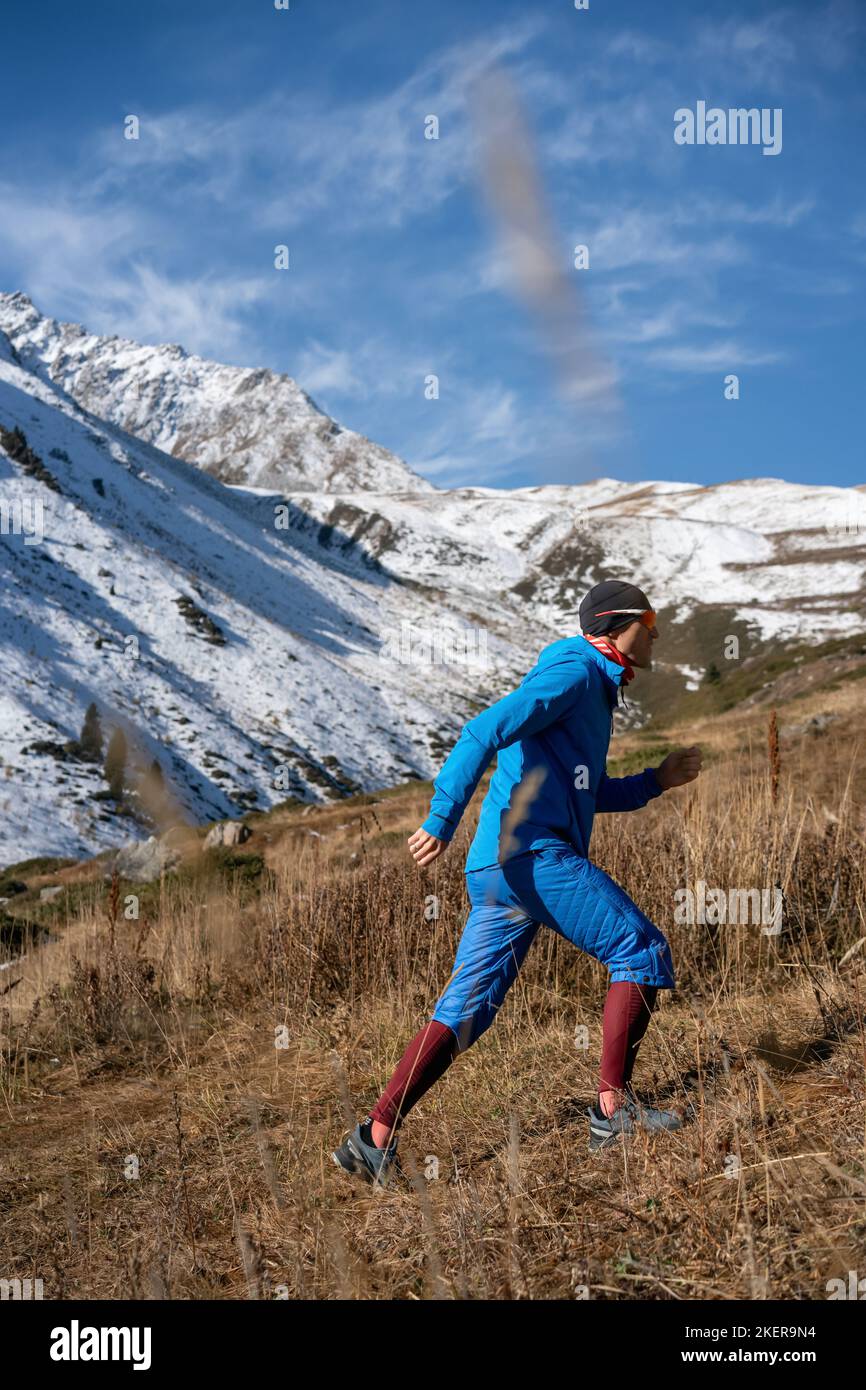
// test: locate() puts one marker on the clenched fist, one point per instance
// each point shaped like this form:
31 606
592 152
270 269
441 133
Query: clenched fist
424 848
679 767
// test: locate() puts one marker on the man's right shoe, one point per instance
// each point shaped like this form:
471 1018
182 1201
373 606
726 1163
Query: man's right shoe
365 1160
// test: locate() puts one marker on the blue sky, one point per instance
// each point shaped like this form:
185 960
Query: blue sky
305 127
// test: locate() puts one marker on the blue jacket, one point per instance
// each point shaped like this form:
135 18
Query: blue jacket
551 735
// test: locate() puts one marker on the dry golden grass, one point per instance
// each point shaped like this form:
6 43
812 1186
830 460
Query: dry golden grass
156 1039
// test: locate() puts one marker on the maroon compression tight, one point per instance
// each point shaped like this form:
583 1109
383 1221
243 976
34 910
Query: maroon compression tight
627 1012
425 1059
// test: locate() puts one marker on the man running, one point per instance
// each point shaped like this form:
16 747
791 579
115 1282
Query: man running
529 864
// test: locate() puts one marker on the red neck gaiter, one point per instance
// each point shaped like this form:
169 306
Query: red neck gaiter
603 645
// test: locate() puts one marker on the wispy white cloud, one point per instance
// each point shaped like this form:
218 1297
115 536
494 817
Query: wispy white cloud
639 236
712 357
209 315
324 369
57 238
776 213
833 33
469 423
784 49
636 46
75 264
369 368
630 324
369 156
657 274
759 50
486 433
596 129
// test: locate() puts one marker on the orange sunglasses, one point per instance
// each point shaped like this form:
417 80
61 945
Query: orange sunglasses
648 618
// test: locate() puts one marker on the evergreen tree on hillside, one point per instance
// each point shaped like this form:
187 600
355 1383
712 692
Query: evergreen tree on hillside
114 769
152 793
90 738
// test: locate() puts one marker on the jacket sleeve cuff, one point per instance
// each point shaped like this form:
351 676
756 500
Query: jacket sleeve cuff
438 826
653 785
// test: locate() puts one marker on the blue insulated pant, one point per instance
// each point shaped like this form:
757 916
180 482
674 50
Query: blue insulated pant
559 888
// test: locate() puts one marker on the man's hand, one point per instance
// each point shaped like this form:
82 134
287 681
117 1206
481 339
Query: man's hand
679 767
425 848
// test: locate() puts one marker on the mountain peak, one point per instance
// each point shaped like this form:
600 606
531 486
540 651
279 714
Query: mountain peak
16 297
246 426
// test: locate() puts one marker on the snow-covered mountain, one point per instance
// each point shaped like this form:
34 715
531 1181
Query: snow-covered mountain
242 655
264 643
784 560
243 426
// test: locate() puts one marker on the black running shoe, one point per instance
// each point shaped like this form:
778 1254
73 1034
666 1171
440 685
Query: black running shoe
631 1115
366 1160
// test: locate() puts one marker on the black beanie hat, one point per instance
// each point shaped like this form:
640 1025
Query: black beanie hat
611 605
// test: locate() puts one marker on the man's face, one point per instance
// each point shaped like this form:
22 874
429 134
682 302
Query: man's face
635 643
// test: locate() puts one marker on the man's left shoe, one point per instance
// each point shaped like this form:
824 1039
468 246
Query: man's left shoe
604 1130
